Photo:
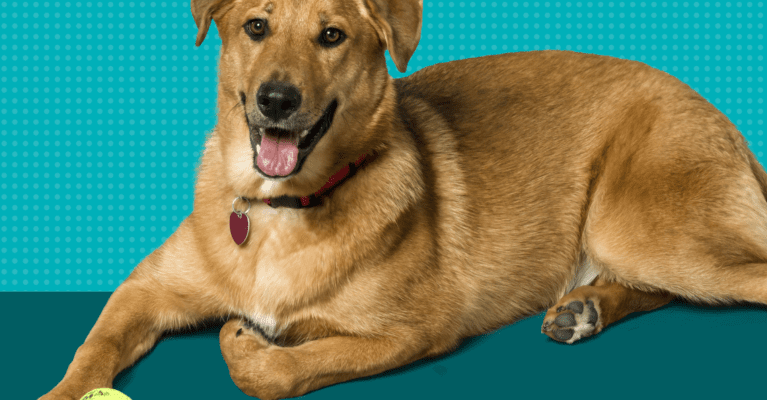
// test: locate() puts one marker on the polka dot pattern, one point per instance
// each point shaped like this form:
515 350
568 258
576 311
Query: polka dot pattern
104 108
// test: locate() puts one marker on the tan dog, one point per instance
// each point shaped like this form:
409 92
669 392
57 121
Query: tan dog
489 189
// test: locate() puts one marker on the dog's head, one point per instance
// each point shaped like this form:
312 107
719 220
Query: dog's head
302 82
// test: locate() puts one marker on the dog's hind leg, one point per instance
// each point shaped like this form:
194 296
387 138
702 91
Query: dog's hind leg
588 309
702 237
678 208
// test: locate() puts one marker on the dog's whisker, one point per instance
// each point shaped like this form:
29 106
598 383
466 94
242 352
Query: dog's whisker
236 105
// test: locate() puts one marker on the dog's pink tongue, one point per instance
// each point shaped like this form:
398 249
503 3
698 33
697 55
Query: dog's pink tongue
278 155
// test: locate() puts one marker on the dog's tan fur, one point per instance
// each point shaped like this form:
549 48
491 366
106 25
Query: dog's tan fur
490 184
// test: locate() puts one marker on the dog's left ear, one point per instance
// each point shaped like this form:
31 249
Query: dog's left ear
202 11
398 23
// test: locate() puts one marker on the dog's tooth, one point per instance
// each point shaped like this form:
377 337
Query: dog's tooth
304 133
262 131
258 148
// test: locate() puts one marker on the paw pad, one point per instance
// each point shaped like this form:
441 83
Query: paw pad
572 321
565 320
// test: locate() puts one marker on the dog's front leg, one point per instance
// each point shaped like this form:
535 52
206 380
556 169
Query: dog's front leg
268 371
150 301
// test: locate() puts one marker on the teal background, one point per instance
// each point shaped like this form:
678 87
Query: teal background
104 108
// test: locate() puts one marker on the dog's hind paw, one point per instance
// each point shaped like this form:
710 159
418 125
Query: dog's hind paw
569 321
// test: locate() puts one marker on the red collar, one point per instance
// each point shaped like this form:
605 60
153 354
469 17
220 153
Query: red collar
239 223
314 199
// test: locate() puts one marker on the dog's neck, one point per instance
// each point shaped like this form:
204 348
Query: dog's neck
315 198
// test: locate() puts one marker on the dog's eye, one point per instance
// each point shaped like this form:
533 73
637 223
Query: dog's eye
256 28
332 37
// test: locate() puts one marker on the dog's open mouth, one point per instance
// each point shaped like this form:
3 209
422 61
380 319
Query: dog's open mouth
280 153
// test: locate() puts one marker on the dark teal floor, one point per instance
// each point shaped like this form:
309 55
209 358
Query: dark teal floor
681 351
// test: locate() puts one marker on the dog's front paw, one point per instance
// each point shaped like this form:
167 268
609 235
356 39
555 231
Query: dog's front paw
256 367
236 337
571 320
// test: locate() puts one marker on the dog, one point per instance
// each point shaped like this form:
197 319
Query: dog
346 223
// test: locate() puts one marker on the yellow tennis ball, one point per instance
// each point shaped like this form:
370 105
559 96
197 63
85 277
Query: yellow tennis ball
105 394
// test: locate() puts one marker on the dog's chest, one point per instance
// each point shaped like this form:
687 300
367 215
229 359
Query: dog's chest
289 260
286 263
274 266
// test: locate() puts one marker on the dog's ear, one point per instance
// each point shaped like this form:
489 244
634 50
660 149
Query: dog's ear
203 11
398 23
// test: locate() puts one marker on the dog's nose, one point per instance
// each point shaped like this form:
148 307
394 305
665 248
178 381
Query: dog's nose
278 100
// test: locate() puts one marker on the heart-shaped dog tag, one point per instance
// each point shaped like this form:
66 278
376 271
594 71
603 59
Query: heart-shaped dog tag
239 225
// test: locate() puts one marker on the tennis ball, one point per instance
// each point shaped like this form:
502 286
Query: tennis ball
105 394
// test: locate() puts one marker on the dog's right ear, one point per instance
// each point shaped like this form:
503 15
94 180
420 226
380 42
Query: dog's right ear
202 11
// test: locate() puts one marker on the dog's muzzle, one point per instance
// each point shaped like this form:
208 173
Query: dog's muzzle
280 153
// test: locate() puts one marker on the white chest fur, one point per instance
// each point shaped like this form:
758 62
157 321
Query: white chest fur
584 275
265 324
